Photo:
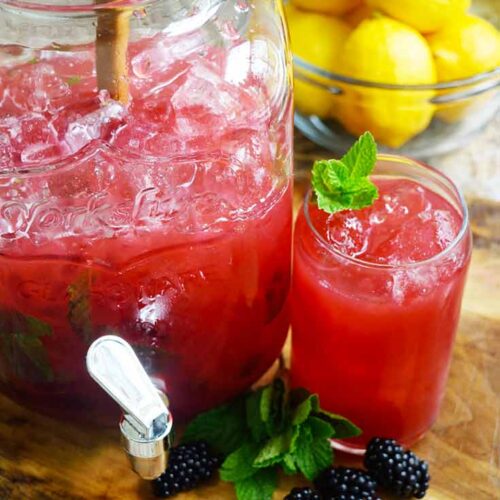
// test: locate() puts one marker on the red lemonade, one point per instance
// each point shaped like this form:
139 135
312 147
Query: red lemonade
166 221
376 299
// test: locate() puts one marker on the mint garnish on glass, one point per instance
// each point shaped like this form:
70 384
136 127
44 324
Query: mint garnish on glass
266 430
344 184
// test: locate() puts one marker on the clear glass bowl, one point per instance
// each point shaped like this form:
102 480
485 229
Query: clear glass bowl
413 120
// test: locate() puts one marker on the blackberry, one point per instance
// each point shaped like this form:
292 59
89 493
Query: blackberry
305 493
188 465
397 470
341 483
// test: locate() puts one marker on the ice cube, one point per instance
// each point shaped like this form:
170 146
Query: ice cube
446 227
348 234
159 53
41 152
423 279
403 199
147 127
420 238
131 135
163 144
150 61
32 138
37 87
6 151
35 128
156 111
205 104
254 59
249 146
205 89
239 63
399 286
158 64
97 124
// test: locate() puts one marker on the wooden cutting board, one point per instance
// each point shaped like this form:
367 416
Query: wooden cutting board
42 458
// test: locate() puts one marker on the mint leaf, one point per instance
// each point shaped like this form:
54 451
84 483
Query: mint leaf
273 450
34 350
272 406
321 429
239 464
316 427
296 434
23 352
304 409
73 80
327 179
344 184
260 486
361 158
312 455
343 428
79 306
223 428
360 193
329 175
253 415
314 459
289 465
266 403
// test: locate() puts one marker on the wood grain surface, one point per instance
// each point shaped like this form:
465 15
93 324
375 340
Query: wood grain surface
42 458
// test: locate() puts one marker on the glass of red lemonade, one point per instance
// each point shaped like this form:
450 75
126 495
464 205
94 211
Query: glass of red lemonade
376 300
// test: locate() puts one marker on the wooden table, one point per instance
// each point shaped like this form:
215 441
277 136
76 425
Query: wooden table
44 459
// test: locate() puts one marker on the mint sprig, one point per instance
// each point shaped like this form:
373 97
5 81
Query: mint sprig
268 429
22 351
79 308
344 184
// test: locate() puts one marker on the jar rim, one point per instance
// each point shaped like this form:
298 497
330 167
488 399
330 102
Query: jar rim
407 265
76 6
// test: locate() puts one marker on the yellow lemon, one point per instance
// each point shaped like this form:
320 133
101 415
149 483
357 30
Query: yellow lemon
425 16
318 40
332 7
359 14
383 50
464 47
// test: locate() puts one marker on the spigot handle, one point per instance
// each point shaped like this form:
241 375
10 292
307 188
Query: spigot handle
113 364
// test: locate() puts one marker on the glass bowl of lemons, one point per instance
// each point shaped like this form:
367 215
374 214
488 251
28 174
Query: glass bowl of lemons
422 75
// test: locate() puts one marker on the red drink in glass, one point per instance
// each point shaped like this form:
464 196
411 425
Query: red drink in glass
376 300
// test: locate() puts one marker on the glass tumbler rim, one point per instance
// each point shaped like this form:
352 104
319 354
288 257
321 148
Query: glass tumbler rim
462 233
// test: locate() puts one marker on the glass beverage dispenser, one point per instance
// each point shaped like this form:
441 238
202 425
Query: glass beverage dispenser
145 192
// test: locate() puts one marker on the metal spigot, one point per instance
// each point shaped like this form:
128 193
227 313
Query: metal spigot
146 424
